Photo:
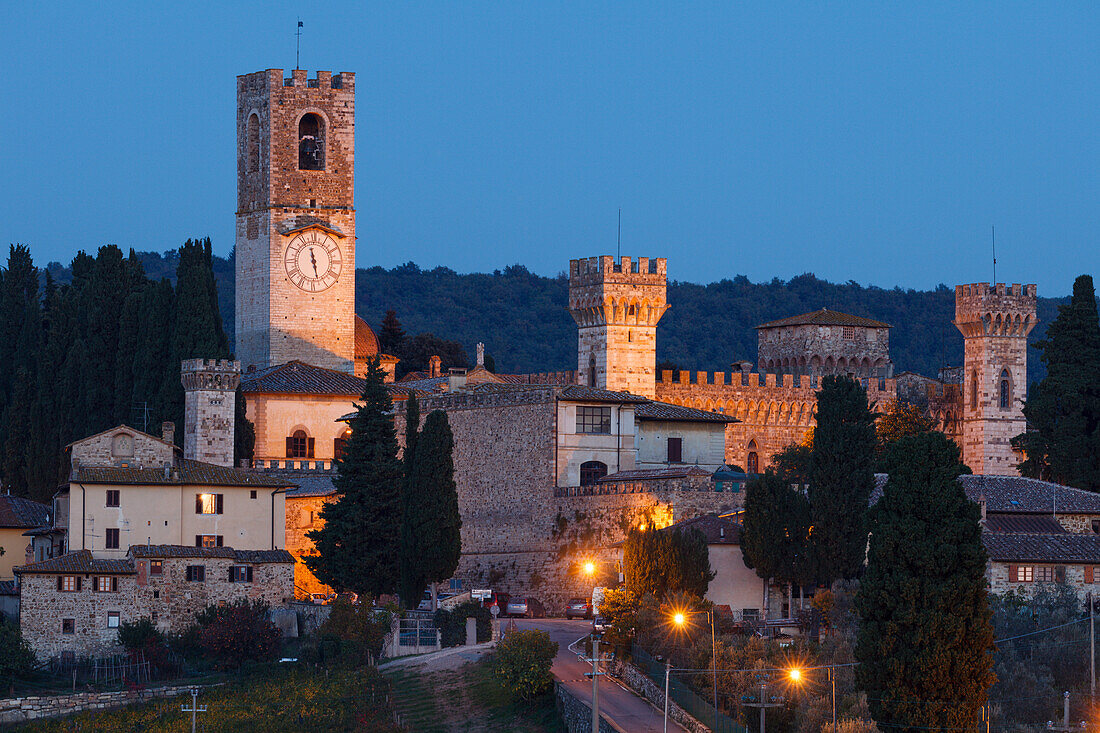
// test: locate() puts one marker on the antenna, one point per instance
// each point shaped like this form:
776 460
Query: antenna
994 228
297 44
619 238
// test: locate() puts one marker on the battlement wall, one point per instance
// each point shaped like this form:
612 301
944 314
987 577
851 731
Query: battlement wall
604 269
220 375
272 78
740 381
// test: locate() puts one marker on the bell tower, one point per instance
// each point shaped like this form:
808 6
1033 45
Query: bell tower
617 306
295 238
995 321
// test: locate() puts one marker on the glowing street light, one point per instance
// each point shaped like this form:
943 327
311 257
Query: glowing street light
590 568
678 619
796 675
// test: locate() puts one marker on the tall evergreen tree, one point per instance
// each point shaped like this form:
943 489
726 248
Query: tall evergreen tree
153 355
431 525
391 334
925 637
1063 410
666 561
842 477
412 430
101 301
358 547
775 536
124 362
244 432
17 446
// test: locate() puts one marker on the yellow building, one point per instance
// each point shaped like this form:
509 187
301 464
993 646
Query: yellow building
17 516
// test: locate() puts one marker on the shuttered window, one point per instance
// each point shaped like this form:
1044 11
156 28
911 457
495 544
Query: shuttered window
675 450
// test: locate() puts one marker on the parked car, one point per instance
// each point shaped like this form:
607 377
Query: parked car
601 625
578 608
526 607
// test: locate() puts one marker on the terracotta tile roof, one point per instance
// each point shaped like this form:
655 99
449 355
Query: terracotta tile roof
186 551
124 426
719 530
1018 495
23 513
366 343
1066 547
186 473
1023 523
825 317
647 474
80 561
677 413
296 377
309 483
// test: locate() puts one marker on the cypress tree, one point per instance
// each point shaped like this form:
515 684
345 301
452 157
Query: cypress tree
244 432
391 334
154 352
412 430
124 361
102 298
1063 410
926 636
666 561
775 533
842 477
431 524
360 543
17 447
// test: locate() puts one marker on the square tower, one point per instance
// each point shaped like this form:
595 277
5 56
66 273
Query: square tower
295 233
617 306
995 321
209 409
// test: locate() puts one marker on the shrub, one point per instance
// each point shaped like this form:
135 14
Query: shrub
237 633
16 657
523 661
452 624
134 635
353 633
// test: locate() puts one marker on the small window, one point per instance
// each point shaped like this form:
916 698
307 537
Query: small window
156 594
299 445
594 420
973 389
339 445
1005 391
1096 526
592 472
1044 574
195 574
111 538
253 132
208 540
675 450
592 371
849 333
68 626
240 574
1022 574
156 567
208 503
252 494
106 584
68 583
112 497
112 619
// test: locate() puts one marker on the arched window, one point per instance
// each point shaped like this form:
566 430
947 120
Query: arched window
973 389
311 143
591 472
753 461
253 144
299 445
1006 390
592 370
339 445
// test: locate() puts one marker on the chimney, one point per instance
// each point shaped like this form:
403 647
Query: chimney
168 432
981 503
456 379
481 354
435 367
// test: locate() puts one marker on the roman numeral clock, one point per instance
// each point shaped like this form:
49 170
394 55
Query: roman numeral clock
312 261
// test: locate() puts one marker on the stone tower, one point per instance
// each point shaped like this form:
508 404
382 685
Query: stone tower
295 219
210 391
617 306
995 321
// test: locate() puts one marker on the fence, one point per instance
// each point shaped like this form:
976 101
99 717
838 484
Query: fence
700 709
130 668
413 634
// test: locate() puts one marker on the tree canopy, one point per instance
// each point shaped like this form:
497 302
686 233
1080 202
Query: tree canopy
663 561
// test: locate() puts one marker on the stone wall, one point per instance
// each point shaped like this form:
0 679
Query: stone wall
22 709
818 350
774 410
122 446
637 681
303 514
577 713
997 574
210 409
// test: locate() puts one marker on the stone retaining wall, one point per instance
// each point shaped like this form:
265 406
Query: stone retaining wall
637 681
20 709
577 714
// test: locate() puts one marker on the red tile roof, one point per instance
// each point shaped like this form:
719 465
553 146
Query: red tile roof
17 512
825 317
648 474
719 530
1043 548
77 562
677 413
187 472
296 377
1023 523
366 342
186 551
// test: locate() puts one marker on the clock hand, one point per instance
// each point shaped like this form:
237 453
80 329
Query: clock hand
314 261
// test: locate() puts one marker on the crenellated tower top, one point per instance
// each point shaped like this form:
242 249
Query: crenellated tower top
995 309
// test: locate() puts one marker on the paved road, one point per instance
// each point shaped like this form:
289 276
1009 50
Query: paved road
618 706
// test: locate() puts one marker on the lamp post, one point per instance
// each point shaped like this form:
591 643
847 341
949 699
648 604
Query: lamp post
668 670
679 618
590 572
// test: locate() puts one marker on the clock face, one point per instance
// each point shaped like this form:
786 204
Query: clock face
312 261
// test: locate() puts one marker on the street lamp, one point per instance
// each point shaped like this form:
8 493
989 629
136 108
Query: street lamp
680 619
590 571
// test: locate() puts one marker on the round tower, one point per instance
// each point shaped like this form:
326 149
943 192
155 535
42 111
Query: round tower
617 306
210 392
995 321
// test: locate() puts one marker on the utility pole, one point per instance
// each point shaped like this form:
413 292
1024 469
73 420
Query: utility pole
1092 649
195 707
595 684
668 670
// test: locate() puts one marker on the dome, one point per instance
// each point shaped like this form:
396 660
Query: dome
366 343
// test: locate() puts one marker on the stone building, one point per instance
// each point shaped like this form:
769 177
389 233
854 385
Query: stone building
210 393
825 342
74 604
295 233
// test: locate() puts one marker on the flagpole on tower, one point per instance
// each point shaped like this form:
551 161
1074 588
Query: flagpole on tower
297 45
993 227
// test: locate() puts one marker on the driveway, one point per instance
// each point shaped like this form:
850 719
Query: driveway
618 706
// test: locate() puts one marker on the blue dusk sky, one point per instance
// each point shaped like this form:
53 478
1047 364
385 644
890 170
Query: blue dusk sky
875 142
